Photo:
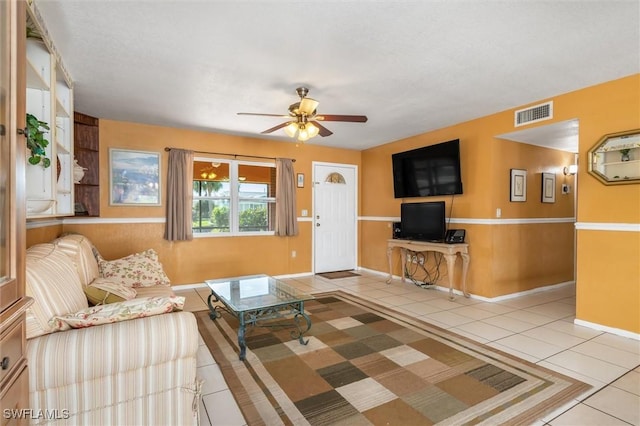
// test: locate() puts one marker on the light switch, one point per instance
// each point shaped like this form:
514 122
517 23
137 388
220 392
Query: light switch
305 213
498 212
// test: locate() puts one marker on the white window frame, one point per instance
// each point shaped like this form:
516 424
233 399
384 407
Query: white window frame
234 199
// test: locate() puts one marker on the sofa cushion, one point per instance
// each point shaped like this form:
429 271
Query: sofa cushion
53 283
82 252
116 312
136 270
103 291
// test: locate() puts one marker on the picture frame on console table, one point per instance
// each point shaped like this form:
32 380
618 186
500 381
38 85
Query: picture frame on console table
548 188
134 178
518 185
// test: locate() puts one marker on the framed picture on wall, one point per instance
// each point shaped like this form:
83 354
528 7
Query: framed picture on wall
300 178
548 188
134 178
518 185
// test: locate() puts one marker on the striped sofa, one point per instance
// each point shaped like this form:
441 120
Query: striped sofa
131 372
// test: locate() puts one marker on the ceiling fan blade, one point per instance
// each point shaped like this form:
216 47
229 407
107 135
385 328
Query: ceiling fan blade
323 131
308 105
278 127
265 115
349 118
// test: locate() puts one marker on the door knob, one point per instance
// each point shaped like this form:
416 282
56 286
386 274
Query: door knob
317 224
5 363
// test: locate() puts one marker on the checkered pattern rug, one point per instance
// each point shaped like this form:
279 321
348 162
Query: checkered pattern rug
366 364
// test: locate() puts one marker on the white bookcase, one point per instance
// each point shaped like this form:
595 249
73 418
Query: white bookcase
49 190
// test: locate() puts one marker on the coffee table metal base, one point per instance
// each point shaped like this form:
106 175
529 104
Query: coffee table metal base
253 316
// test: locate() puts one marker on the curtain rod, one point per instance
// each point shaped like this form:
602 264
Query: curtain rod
230 155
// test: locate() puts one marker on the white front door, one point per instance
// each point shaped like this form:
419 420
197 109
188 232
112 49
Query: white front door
334 217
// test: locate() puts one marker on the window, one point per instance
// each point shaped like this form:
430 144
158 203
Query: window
245 207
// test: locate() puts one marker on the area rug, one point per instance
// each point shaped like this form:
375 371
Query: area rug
365 364
338 274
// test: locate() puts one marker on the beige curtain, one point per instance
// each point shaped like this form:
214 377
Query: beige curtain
286 220
179 196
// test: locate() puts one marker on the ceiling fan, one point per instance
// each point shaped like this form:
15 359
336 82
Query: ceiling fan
303 118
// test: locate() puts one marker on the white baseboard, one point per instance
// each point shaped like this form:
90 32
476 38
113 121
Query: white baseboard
612 330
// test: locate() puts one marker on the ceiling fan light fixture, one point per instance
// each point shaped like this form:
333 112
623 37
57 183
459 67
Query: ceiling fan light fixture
291 129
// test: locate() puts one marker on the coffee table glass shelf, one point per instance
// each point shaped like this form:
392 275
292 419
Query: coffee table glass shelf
257 300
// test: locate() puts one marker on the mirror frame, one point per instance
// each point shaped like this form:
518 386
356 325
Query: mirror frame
600 149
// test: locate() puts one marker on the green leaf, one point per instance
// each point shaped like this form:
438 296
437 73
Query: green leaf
34 160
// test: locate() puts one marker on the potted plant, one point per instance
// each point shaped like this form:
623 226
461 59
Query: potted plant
36 141
625 154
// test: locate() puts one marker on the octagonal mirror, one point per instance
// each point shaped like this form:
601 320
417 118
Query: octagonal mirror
615 159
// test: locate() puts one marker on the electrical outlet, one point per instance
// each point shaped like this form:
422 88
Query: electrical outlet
293 253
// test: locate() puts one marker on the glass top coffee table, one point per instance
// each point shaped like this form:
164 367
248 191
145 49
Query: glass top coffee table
258 298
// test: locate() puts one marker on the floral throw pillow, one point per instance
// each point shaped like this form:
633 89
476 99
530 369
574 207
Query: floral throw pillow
136 270
116 312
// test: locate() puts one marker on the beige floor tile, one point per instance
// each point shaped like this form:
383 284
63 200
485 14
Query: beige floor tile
630 382
530 317
464 333
449 318
496 308
572 329
607 353
553 310
482 330
583 415
213 379
395 300
444 304
617 402
420 308
588 366
534 347
596 384
619 342
203 356
223 410
562 340
204 417
509 323
473 312
513 352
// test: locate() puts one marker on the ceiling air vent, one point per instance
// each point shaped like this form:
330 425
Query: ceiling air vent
535 113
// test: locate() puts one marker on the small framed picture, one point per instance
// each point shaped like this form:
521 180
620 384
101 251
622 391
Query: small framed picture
518 185
134 178
548 188
300 178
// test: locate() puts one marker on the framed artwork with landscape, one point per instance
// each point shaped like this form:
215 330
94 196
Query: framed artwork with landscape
134 178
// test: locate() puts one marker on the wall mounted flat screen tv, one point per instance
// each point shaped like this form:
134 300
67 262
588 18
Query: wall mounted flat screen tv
428 171
423 221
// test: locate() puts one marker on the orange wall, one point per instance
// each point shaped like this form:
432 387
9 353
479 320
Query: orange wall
194 261
504 258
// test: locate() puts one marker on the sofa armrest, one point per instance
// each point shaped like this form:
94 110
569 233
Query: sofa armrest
80 355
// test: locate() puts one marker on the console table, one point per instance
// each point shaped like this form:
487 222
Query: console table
449 251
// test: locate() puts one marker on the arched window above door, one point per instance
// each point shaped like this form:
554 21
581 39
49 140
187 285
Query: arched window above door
335 177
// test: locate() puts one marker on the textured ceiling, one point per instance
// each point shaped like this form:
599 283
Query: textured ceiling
411 67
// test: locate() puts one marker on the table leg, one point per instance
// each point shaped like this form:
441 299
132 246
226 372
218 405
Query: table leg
213 312
389 256
296 318
465 269
451 267
241 342
403 262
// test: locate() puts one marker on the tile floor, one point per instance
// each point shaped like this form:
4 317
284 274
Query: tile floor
537 327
